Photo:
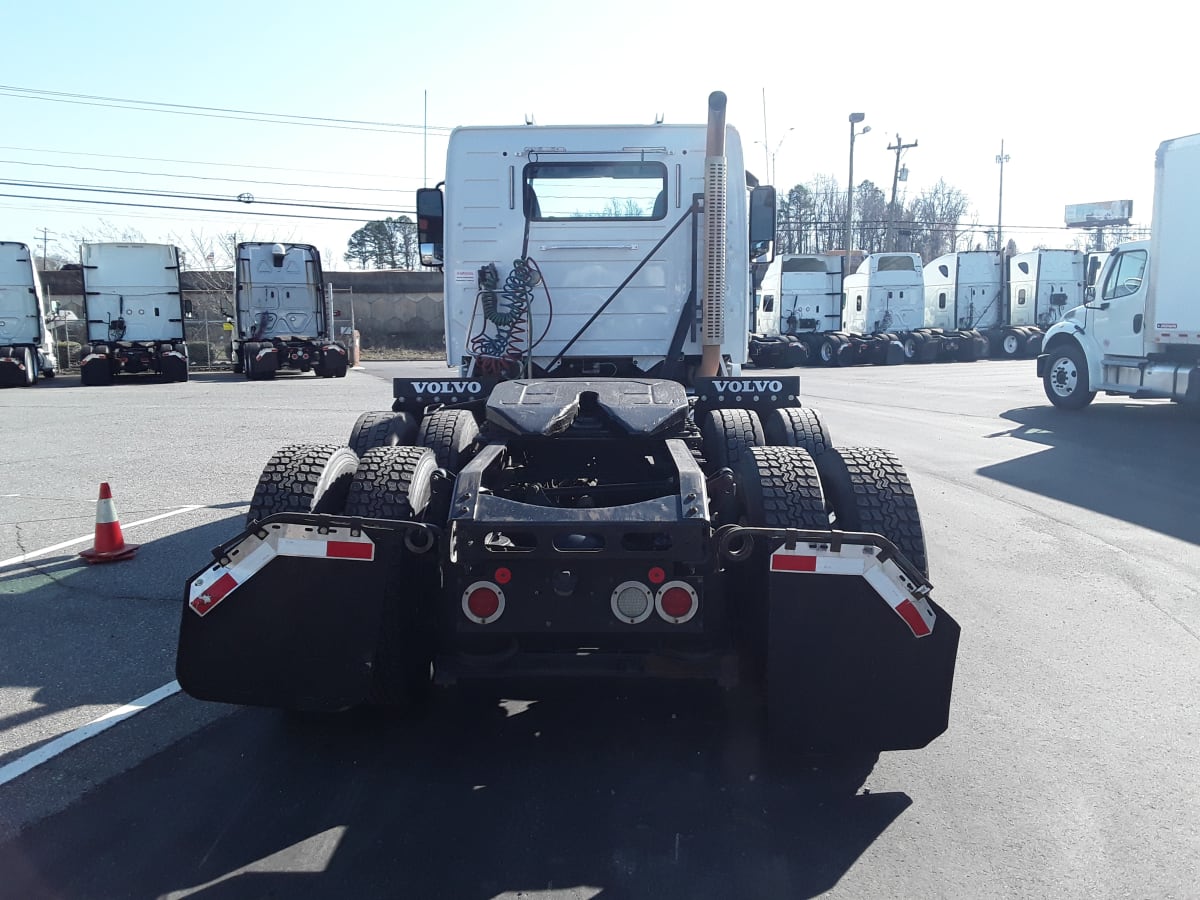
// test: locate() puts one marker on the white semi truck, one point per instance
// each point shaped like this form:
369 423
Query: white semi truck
283 318
1138 334
26 343
800 298
594 488
135 311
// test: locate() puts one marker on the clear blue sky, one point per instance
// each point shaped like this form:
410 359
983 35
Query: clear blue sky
1082 96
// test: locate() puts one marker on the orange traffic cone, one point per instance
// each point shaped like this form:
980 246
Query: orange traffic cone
110 544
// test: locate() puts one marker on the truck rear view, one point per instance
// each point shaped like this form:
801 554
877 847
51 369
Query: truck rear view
26 347
583 499
283 321
133 303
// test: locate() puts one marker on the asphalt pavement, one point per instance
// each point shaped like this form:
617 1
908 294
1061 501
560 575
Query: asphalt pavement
1064 544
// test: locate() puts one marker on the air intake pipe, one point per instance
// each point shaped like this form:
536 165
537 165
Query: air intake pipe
712 324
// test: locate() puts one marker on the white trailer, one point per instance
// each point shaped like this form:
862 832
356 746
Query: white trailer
134 309
799 298
26 344
283 315
1138 333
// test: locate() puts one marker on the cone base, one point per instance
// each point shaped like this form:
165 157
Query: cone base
103 556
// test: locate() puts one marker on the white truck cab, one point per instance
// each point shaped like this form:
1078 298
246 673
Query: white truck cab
574 250
1138 334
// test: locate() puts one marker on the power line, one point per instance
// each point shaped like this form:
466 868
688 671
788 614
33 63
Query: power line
196 162
212 112
188 195
332 187
233 212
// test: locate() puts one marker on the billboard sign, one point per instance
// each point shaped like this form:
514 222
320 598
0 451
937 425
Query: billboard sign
1099 215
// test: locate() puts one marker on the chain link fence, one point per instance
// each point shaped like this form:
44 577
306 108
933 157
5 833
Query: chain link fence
208 330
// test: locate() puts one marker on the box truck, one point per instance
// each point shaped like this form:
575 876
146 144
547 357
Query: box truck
1138 333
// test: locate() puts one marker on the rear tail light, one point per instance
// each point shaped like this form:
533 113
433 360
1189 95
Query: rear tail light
632 602
483 602
676 602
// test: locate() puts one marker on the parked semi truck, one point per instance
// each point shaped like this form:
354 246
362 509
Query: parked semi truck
134 307
594 488
1138 333
26 344
800 297
283 318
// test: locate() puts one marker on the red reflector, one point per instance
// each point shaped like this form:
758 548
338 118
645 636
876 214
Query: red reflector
790 562
909 614
676 602
483 603
656 575
349 550
503 575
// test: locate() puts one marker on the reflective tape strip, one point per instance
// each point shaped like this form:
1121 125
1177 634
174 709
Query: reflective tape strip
362 548
886 578
253 553
175 353
106 511
915 612
213 586
91 356
264 351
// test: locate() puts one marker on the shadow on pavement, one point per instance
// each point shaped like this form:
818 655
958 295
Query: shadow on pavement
647 790
79 635
1131 461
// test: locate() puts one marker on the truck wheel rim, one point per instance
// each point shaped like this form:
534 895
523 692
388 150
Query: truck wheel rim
1010 343
1063 377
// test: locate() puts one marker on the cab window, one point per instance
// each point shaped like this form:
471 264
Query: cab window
1126 275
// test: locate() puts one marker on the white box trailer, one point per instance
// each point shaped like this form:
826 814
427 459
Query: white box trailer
26 344
134 309
283 318
800 296
1138 333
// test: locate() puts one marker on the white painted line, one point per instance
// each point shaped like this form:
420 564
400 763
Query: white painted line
71 543
23 764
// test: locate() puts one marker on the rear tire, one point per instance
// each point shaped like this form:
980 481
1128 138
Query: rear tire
868 490
1012 343
796 426
450 434
304 478
391 483
395 483
382 429
781 488
728 434
96 373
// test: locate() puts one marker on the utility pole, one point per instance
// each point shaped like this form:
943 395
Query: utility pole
45 239
899 148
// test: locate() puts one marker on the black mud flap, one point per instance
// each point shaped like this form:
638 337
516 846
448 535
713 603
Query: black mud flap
289 613
855 662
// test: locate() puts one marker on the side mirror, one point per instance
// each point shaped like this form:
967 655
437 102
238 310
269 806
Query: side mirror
762 224
188 310
431 226
1089 293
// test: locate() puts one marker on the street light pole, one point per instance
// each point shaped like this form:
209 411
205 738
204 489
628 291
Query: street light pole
855 118
1001 158
775 153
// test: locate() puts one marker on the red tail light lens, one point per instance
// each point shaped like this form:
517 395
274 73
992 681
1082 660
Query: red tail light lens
677 602
483 602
